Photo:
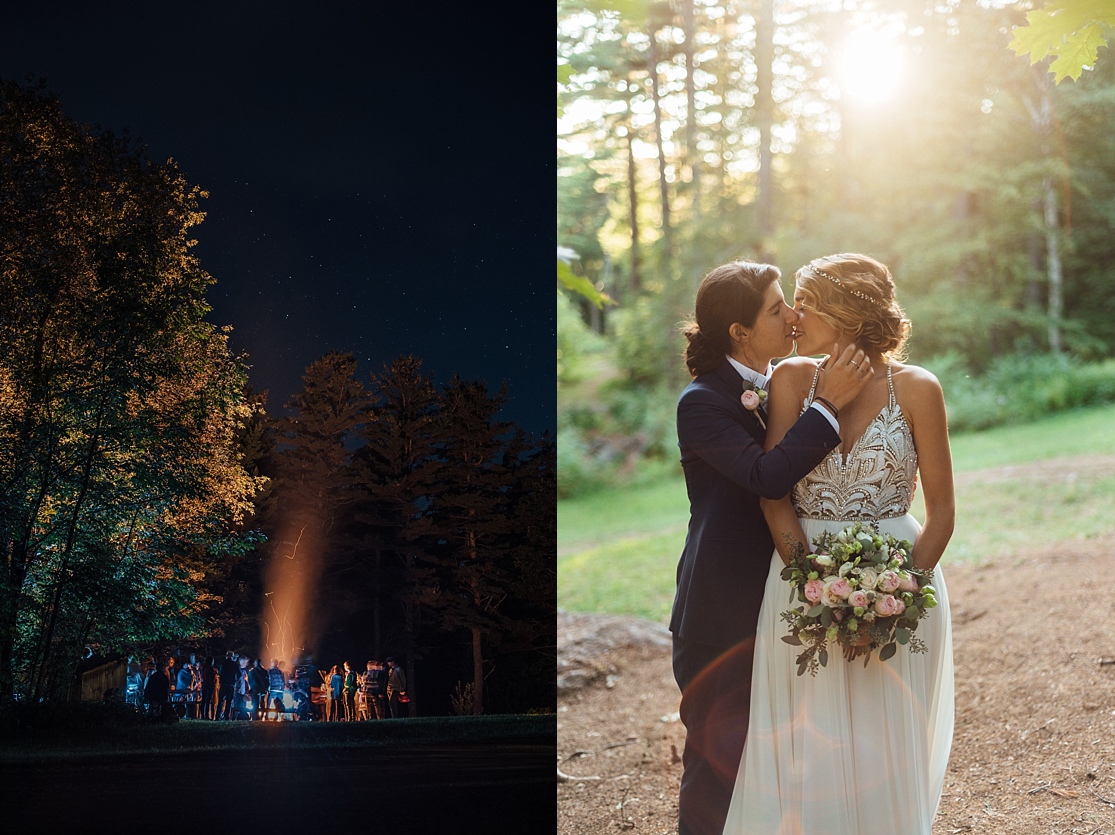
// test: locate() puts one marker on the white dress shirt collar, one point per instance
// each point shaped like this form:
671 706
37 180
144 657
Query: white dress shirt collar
750 375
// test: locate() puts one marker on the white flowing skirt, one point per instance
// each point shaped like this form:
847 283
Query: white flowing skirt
855 750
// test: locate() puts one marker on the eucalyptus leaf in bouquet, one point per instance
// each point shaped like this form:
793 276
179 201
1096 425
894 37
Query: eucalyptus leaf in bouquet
858 590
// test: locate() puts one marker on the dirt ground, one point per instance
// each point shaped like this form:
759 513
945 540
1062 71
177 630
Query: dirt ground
1034 747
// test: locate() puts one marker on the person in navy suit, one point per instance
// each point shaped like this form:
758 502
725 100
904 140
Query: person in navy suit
741 323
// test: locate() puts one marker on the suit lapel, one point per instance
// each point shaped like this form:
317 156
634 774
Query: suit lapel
731 383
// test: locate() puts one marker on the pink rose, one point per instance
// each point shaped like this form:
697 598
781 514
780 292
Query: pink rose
750 400
907 581
841 588
813 590
886 605
899 606
888 582
858 598
829 596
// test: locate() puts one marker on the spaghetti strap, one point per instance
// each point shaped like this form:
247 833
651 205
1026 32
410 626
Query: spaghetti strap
813 388
890 385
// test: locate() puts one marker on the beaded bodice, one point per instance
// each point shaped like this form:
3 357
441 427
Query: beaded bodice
875 480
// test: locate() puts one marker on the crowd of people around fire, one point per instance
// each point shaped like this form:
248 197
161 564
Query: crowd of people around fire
241 688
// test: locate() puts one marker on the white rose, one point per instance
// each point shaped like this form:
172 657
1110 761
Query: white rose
868 578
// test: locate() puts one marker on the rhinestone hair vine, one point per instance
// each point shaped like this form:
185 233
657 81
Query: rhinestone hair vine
846 289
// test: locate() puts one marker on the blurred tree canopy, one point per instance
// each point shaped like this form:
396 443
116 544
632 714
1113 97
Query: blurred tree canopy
694 132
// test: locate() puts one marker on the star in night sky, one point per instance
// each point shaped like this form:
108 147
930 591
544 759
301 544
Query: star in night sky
380 182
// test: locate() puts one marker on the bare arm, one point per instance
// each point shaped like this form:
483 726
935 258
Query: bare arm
924 408
788 387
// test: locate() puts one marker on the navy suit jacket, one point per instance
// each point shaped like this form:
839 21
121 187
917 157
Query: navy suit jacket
728 548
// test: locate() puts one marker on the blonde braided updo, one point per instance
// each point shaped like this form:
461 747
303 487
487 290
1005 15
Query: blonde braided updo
855 294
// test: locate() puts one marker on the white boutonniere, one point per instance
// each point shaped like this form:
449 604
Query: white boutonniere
752 398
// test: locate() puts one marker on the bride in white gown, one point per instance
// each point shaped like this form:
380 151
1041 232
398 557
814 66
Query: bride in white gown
858 749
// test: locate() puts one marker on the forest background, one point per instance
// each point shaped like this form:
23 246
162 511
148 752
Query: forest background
698 132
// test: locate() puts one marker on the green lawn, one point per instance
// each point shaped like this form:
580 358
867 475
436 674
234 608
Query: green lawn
618 549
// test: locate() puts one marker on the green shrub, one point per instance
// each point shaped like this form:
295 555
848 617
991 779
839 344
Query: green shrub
1093 385
1019 388
646 415
574 340
578 469
649 347
627 436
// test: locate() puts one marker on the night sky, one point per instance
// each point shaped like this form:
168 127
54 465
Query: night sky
380 182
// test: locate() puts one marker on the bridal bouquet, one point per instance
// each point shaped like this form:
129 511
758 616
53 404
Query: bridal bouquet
856 590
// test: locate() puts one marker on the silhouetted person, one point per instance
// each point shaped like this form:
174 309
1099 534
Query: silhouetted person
258 685
372 690
134 682
229 671
157 692
303 688
350 693
277 681
208 688
396 687
241 700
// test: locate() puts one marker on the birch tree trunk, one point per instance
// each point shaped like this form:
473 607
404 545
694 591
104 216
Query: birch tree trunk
663 187
764 113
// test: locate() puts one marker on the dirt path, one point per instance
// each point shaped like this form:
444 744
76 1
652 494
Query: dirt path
1034 748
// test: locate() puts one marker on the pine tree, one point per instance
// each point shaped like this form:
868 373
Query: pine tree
313 494
470 522
398 474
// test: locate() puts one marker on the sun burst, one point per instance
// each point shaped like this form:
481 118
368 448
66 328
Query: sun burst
871 66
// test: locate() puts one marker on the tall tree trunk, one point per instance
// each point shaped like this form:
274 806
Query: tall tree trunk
376 642
9 615
1053 264
636 281
477 672
477 642
764 114
663 186
1042 116
68 549
18 533
692 157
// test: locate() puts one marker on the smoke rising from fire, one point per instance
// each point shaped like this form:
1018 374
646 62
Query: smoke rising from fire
287 628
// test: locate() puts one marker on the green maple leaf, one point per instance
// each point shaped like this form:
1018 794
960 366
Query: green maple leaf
1078 53
1071 30
1041 35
